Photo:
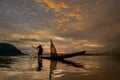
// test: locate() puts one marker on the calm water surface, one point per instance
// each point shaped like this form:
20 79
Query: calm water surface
77 68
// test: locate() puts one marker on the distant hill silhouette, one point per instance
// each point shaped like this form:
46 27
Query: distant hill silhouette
7 49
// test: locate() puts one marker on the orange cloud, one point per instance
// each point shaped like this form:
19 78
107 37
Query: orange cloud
61 20
86 43
53 4
91 44
66 22
74 14
67 19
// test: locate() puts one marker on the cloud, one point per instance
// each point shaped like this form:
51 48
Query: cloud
82 24
53 4
66 15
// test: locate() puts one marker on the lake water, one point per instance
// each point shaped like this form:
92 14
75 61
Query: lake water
77 68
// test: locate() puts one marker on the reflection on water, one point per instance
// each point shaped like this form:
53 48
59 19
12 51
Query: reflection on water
77 68
5 61
53 65
39 64
71 63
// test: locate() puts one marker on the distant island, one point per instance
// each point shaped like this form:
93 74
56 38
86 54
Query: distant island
7 49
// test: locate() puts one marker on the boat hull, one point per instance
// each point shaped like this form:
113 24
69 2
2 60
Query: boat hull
59 57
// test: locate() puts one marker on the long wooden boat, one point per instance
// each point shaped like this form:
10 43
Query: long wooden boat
54 55
63 56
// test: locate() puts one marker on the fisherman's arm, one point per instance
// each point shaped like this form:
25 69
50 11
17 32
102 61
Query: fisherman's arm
35 47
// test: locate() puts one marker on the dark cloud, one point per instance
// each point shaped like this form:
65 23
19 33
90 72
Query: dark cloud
25 40
106 27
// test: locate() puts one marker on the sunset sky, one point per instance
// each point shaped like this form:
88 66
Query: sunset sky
73 25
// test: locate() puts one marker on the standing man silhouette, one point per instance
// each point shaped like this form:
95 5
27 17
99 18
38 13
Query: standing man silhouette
40 50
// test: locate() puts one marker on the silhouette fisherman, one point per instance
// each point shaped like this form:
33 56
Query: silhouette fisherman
40 50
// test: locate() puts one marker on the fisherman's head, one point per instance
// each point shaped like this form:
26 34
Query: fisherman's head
40 46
